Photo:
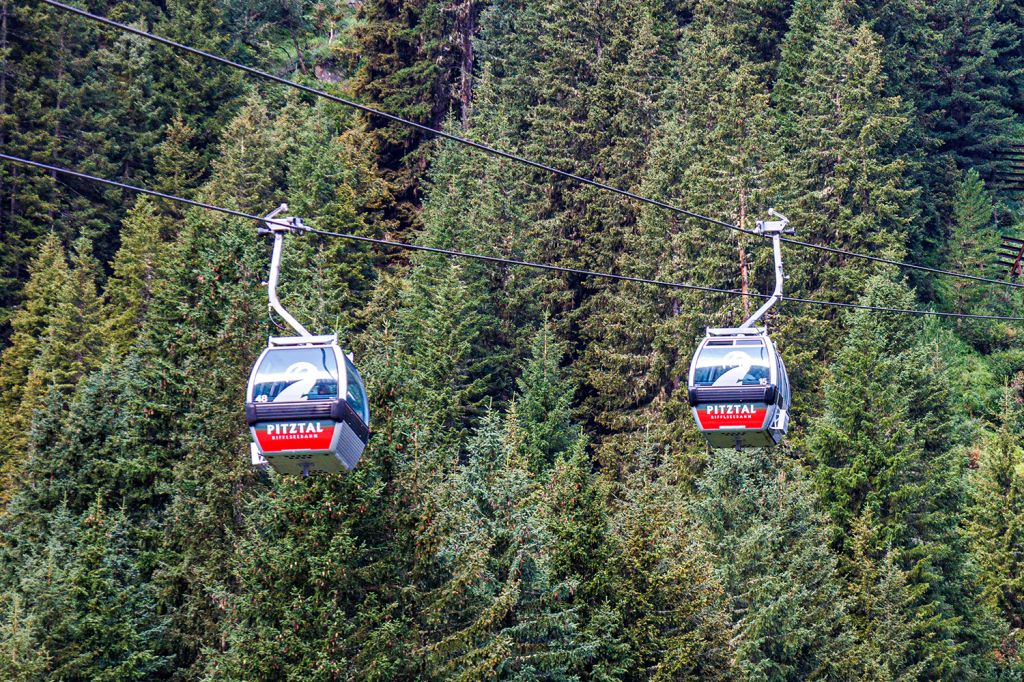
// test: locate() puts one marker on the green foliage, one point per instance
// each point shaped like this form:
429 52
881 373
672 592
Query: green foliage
415 60
136 272
19 362
769 547
997 519
672 620
842 177
87 612
885 448
881 610
501 613
710 152
544 406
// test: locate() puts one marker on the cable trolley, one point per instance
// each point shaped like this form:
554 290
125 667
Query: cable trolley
306 403
738 388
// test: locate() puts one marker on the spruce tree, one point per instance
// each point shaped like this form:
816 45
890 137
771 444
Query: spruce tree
885 446
501 614
416 59
203 96
49 274
710 152
881 599
996 525
666 613
72 344
136 271
21 658
205 328
178 164
769 546
309 595
843 180
544 404
970 247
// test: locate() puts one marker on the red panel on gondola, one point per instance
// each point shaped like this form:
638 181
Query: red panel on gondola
745 416
301 435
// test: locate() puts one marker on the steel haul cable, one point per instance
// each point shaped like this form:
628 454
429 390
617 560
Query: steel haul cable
508 155
482 257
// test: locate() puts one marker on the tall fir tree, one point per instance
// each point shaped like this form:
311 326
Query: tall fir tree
416 60
49 273
885 446
502 613
996 527
769 546
710 152
136 273
664 613
881 610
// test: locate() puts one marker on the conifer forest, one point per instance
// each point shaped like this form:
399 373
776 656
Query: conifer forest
536 500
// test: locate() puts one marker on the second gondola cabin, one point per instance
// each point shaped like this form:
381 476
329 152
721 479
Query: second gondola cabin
306 406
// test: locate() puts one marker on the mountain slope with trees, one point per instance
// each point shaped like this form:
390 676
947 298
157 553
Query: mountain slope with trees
535 502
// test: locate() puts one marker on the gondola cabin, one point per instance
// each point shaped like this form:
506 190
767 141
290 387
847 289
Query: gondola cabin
738 389
306 406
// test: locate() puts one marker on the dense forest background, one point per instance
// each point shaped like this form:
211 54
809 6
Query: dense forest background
535 502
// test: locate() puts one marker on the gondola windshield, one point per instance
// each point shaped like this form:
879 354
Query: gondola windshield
729 365
296 374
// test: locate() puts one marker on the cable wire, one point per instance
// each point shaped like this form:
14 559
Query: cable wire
508 155
482 257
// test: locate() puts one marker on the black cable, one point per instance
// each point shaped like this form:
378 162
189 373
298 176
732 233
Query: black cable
508 155
481 257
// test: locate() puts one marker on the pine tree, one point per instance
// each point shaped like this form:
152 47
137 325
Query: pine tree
88 612
997 519
40 588
178 165
881 610
1007 45
665 616
59 354
115 632
972 238
789 618
501 614
544 405
49 274
478 202
203 96
969 97
801 31
205 327
971 243
71 346
20 656
56 102
309 595
843 178
442 328
136 271
417 61
334 184
711 153
884 446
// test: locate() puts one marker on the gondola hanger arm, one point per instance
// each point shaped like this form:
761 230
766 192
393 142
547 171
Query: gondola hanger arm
774 229
278 228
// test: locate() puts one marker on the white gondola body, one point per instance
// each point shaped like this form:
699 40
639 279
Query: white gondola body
306 406
738 389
